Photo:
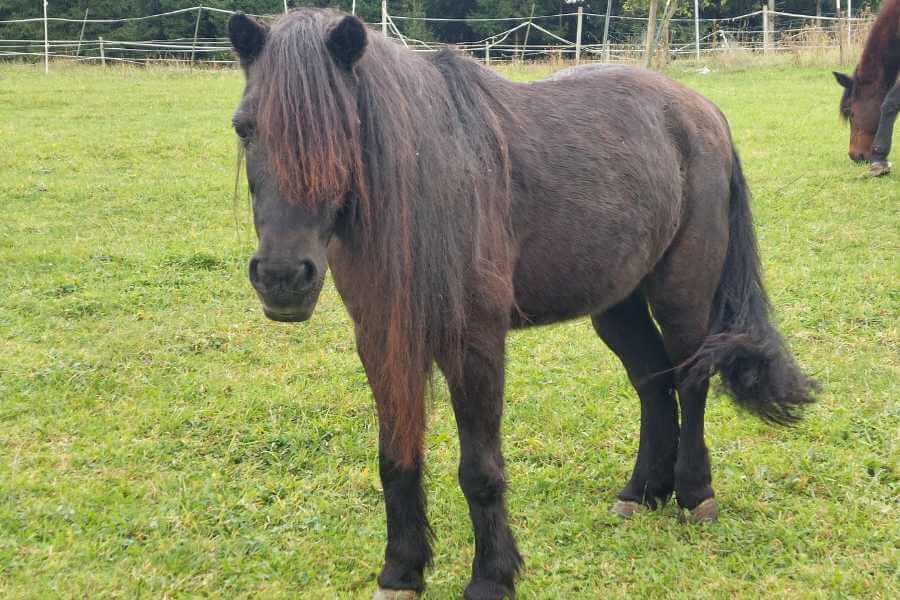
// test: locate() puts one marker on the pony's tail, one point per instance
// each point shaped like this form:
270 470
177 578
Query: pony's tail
744 347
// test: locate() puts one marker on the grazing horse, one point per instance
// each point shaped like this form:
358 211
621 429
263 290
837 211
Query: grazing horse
871 98
452 206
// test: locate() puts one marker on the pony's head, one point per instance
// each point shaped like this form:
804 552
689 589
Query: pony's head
861 106
299 130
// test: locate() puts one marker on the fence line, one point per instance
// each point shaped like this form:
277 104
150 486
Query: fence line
727 34
131 19
423 19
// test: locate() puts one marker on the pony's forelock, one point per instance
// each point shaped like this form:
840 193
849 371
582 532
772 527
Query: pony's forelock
306 115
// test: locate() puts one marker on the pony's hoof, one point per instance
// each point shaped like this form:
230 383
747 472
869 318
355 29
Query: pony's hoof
877 169
482 589
627 508
705 512
383 594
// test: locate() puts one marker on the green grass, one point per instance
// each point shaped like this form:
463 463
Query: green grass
160 438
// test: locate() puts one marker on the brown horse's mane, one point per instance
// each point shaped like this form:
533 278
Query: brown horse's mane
880 59
432 241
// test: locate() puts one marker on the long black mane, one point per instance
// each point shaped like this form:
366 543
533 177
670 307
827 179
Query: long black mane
413 146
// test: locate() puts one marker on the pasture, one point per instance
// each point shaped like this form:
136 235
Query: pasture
160 438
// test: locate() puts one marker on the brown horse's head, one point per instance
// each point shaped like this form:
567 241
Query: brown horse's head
299 132
861 106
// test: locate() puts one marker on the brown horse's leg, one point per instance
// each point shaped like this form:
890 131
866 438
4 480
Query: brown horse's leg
477 395
629 331
881 147
408 550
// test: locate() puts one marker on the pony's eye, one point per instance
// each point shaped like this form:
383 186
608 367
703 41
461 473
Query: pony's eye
244 131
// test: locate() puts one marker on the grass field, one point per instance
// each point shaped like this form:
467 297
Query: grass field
159 438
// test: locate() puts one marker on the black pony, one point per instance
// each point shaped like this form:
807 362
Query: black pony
452 206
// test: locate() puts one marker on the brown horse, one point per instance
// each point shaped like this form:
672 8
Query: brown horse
453 206
866 101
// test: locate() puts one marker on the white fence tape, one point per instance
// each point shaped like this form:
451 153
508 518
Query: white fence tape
725 36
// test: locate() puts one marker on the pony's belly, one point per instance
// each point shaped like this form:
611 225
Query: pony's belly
520 320
588 255
574 289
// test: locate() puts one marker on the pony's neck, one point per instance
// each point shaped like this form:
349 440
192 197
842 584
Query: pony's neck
880 61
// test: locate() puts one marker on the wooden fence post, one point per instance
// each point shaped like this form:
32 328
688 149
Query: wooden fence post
528 31
81 36
849 21
697 29
650 45
765 10
839 30
606 31
102 54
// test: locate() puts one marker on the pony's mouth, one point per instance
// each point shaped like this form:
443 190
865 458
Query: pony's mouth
287 316
290 307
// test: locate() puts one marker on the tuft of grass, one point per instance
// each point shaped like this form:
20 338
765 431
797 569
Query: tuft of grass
159 437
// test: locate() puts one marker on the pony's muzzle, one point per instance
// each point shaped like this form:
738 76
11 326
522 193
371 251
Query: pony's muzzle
288 290
269 275
860 149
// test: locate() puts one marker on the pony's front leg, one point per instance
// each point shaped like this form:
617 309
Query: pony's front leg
408 550
881 147
477 395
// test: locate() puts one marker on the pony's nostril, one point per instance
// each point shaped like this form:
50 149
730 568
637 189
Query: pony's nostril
253 270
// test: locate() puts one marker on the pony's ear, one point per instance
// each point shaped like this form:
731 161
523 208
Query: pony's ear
248 36
842 79
347 41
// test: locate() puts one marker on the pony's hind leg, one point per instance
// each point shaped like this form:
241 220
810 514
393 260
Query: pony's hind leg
684 330
680 292
477 395
629 331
